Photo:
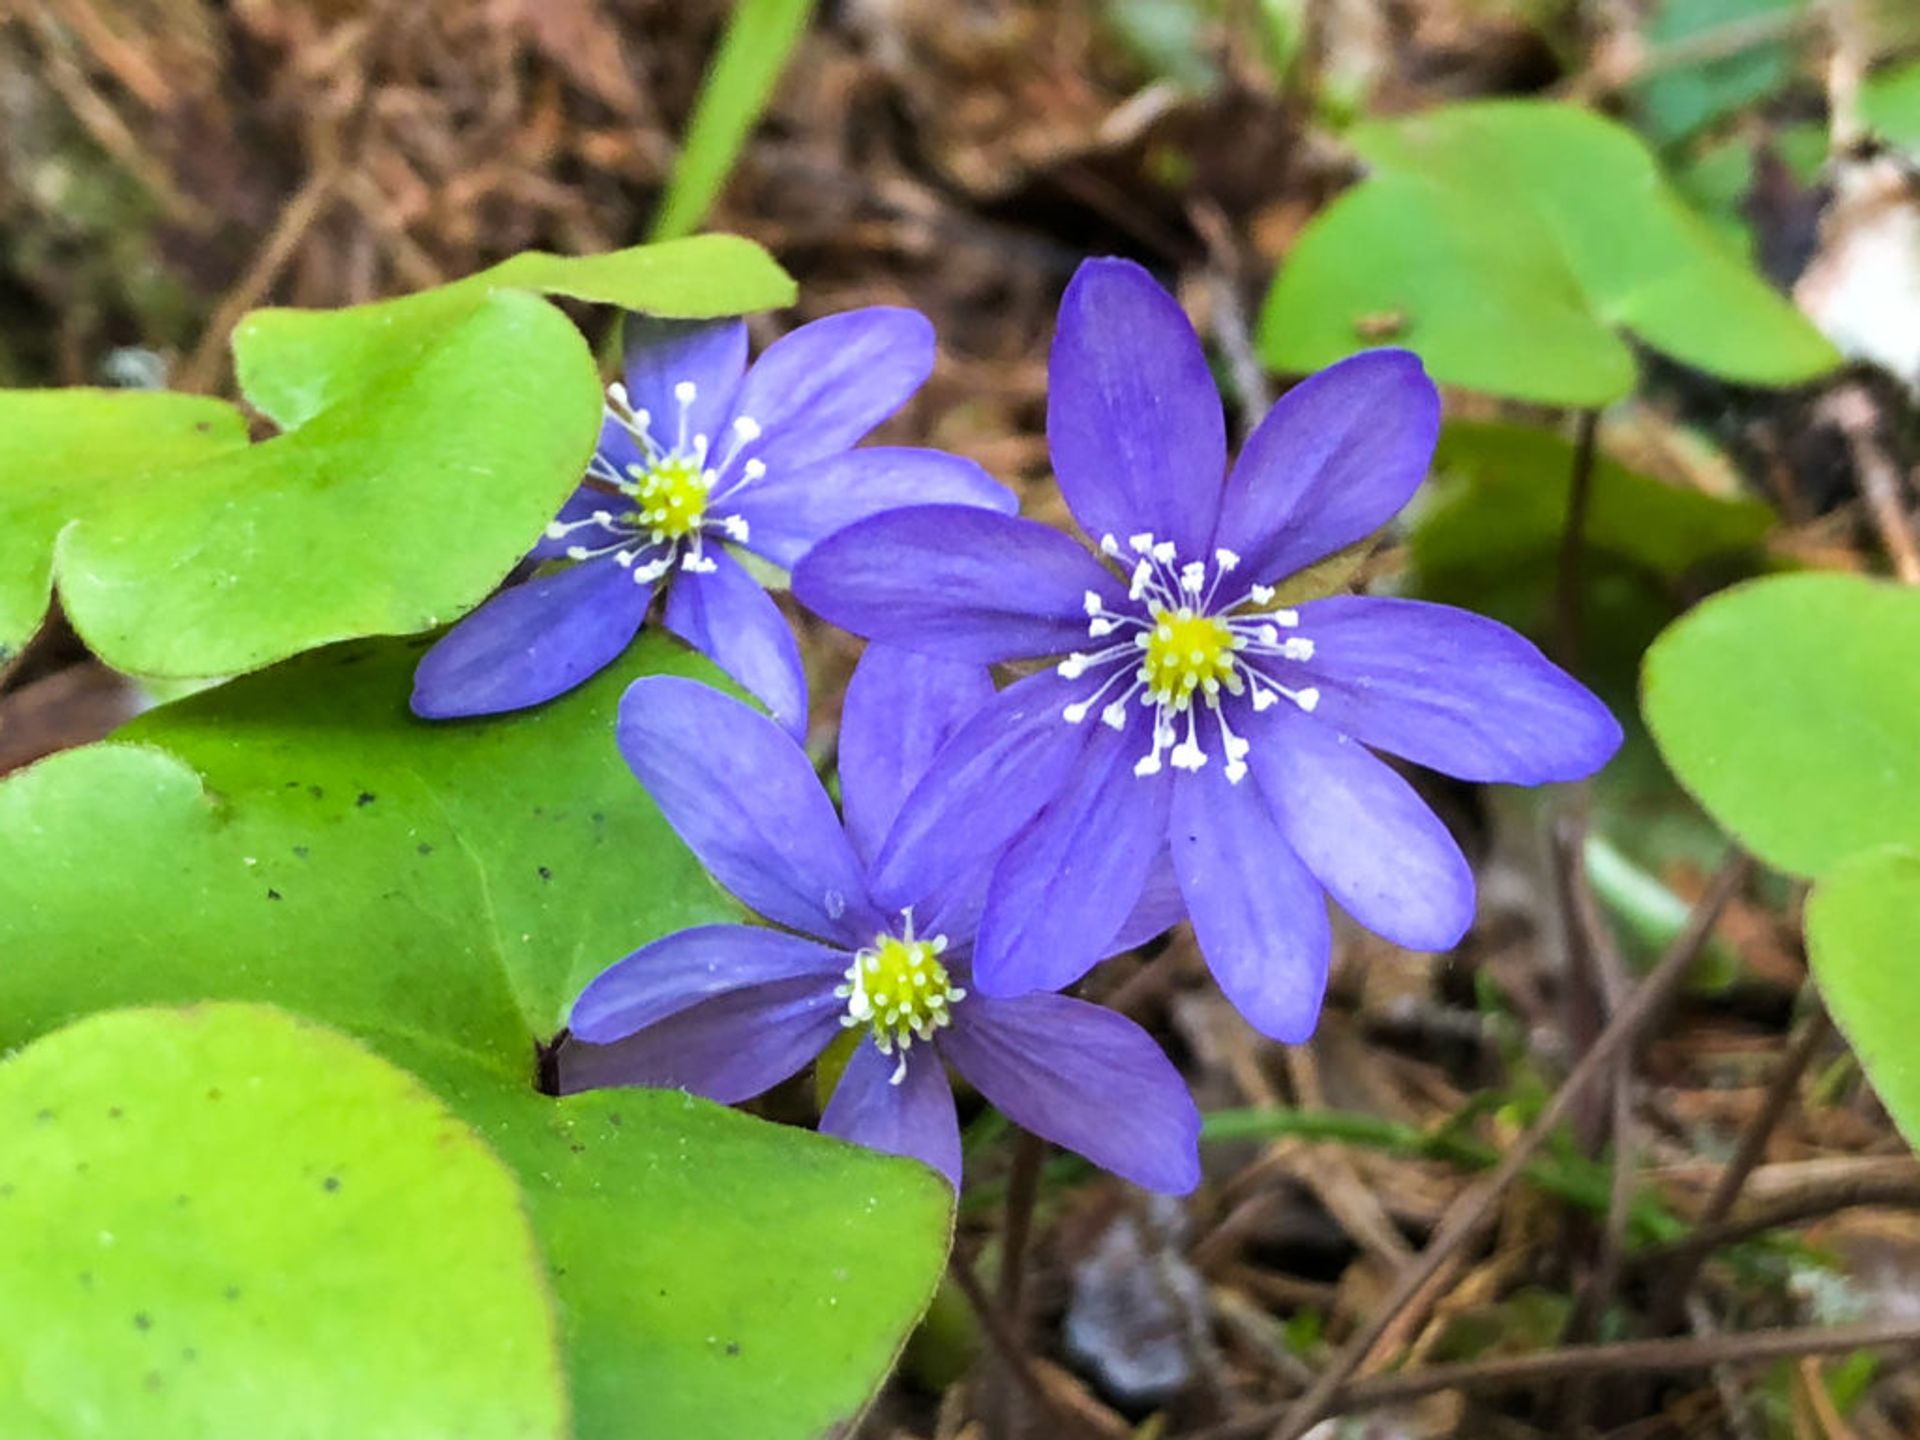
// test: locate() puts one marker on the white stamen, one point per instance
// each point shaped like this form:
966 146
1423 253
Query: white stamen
1226 560
685 392
1262 594
747 428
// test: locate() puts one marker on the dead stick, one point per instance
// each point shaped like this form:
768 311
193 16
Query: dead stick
1467 1214
1893 1193
1670 1303
1627 1358
994 1322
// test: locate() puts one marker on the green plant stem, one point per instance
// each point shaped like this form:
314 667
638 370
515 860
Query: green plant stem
1568 595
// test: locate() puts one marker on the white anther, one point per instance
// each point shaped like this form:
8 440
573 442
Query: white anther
1114 717
685 392
1141 544
557 531
1164 552
1298 647
1147 765
1227 560
578 552
754 469
1092 603
1073 667
617 392
1075 713
1236 771
746 427
1193 576
1263 594
1142 578
1187 756
736 528
1099 627
1286 619
1108 545
1264 699
1307 699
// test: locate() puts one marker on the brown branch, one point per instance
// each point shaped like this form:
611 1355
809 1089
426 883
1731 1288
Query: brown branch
1006 1344
1627 1358
1815 1203
1669 1303
1469 1213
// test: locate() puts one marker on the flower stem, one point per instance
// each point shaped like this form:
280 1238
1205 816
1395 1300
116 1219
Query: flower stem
1023 1188
1573 543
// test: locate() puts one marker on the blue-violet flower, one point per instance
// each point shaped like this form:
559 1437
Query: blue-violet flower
1194 722
727 1011
697 453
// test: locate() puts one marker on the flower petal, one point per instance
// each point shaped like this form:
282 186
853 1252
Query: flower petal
1259 916
1083 1077
581 505
914 1118
1064 888
744 798
1453 691
1363 832
725 615
1161 906
957 582
790 511
661 354
730 1048
1334 460
981 790
532 642
679 971
901 708
1133 416
819 389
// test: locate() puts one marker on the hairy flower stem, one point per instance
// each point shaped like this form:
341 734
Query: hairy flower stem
1568 594
1023 1188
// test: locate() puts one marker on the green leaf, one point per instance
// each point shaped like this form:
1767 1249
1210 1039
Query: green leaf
293 364
1861 923
1500 505
65 452
760 36
442 892
1890 105
1750 61
1790 708
204 1233
390 513
1508 242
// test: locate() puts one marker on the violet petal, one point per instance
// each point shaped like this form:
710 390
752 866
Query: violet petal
914 1118
1134 423
679 971
725 615
1083 1077
744 797
532 642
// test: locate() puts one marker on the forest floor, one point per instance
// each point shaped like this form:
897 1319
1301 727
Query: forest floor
1551 1183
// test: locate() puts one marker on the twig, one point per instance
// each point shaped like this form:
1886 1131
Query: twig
994 1321
1670 1301
1851 410
1634 1356
205 366
1464 1218
1230 327
1573 543
1023 1186
1893 1192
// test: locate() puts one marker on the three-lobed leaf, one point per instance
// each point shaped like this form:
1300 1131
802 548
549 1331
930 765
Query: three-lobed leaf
210 1218
1514 244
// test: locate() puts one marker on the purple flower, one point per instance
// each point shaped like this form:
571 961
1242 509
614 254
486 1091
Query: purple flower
1193 723
698 453
727 1011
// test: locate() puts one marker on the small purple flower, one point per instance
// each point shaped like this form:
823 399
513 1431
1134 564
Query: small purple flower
1194 723
728 1011
697 453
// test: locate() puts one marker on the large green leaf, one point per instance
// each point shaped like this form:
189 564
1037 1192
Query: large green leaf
69 452
1861 924
1500 506
222 1221
1790 707
390 513
293 364
442 892
1508 242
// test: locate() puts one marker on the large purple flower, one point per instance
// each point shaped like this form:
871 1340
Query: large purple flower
696 453
728 1011
1194 722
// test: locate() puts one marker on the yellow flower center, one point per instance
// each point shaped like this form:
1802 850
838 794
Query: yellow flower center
899 987
672 497
1186 652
